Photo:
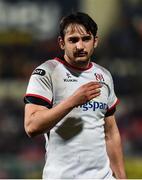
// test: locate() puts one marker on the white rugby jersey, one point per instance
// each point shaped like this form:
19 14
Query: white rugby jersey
75 147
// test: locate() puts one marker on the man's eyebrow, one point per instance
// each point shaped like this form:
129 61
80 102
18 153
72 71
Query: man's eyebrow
85 35
73 38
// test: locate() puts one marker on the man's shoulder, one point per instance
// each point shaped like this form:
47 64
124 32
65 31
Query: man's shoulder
48 65
101 69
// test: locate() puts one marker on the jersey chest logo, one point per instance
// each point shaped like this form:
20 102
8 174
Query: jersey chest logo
99 77
69 78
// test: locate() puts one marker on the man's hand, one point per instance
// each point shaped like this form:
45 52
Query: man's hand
85 93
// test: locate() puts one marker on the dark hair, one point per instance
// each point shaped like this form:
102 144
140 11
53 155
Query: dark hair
78 18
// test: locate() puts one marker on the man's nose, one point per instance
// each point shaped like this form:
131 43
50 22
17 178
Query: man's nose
80 45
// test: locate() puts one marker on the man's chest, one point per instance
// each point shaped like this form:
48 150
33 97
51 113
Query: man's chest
66 82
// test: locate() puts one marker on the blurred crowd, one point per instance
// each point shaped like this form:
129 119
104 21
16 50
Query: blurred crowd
123 48
121 53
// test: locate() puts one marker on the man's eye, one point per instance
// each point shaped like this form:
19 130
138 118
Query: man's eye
73 40
86 38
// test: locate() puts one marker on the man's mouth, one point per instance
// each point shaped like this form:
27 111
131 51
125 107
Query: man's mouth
80 54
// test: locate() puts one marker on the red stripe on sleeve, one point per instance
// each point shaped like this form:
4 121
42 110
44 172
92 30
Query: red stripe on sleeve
39 96
113 106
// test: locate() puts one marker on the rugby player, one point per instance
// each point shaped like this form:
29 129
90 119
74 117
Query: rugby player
71 100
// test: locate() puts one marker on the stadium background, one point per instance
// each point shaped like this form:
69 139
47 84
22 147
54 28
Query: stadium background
28 32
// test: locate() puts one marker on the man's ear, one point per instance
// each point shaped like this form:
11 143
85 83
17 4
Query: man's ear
95 41
61 42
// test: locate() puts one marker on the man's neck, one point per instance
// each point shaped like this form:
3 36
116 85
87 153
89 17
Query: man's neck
81 64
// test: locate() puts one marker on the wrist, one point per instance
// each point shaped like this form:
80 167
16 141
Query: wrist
69 103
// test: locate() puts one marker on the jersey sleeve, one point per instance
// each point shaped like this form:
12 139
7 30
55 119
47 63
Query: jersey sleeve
39 90
112 99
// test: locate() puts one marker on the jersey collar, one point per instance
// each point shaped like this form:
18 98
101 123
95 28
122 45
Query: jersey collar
62 60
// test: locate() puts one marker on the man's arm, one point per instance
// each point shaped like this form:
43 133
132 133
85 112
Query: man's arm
114 147
39 119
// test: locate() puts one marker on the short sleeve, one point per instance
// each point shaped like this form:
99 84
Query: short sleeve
112 99
39 90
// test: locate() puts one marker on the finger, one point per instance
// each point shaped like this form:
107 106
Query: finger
95 91
94 96
92 83
93 87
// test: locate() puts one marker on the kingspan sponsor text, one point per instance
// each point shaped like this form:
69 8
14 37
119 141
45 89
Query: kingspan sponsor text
94 105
